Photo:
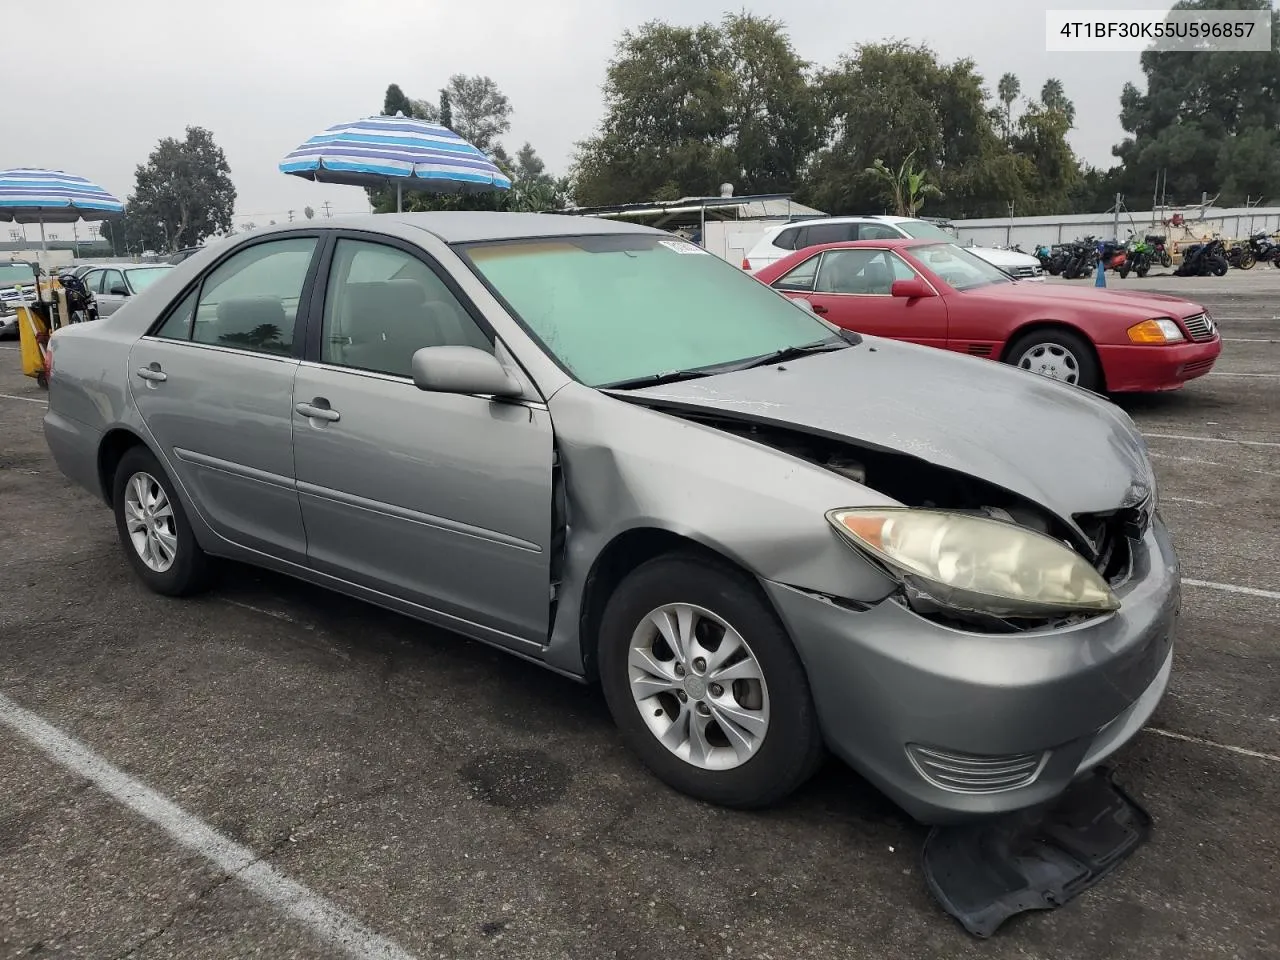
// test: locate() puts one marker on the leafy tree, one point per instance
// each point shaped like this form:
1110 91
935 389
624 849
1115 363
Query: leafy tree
906 186
396 102
182 194
1206 119
1007 90
688 108
308 212
446 110
1054 98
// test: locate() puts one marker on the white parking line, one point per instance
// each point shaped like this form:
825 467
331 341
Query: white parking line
1261 376
326 920
9 396
1183 436
1198 503
1243 751
1247 340
1232 588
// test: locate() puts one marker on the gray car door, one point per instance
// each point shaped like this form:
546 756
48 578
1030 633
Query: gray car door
111 292
439 500
214 385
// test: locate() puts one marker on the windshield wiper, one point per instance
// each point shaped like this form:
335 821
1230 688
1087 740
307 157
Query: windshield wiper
656 379
790 353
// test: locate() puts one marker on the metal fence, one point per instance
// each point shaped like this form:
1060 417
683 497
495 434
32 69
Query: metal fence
1028 232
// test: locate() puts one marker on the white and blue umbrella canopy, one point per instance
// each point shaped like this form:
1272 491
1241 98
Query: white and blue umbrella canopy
412 154
29 195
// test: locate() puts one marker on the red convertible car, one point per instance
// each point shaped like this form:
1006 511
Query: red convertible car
941 295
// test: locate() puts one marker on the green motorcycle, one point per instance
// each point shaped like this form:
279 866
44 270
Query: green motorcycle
1139 255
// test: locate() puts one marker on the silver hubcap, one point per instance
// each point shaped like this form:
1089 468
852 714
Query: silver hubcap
148 516
1051 360
698 686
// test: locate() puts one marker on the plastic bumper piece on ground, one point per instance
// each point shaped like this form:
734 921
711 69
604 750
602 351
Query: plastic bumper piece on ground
954 725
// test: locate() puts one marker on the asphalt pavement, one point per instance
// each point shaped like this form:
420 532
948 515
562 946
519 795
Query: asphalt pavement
274 771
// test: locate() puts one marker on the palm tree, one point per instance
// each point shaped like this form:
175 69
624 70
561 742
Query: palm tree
907 187
1054 98
1007 90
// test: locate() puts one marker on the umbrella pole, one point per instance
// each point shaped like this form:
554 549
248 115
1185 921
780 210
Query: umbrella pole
399 187
43 248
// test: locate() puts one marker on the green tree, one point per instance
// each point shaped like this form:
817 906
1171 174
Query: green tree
1007 90
906 187
1202 118
182 194
1051 168
308 212
890 101
396 102
446 110
1054 98
688 108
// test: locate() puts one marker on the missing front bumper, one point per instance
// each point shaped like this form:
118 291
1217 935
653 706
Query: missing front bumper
983 873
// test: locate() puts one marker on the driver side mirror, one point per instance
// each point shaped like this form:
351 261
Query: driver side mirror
911 289
462 370
119 291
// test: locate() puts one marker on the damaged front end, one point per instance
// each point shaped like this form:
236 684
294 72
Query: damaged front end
1095 549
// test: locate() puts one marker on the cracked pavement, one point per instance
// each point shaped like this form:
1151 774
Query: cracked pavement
466 804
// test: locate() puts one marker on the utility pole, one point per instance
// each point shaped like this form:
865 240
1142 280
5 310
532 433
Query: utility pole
291 216
327 214
1115 225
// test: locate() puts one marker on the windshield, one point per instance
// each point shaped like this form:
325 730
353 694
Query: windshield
144 277
618 308
924 230
12 274
958 267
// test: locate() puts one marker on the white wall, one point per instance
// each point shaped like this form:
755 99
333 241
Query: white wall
1027 232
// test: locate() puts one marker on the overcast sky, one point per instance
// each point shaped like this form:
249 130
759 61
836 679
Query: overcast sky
264 75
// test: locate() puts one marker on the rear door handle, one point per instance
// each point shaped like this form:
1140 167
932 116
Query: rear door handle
153 373
312 412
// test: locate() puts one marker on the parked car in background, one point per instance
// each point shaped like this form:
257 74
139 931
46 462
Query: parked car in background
942 295
17 284
783 240
112 284
183 254
607 451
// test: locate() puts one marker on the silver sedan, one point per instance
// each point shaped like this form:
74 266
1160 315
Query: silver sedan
113 284
604 450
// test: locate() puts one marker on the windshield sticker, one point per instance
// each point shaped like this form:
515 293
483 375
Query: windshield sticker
680 246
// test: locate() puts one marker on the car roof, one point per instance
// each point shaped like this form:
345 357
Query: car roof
469 226
798 256
123 266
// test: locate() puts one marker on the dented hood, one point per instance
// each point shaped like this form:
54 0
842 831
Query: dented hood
1058 446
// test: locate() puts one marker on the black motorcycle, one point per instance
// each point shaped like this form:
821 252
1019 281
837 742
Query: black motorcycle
1240 255
1203 260
1264 249
1082 259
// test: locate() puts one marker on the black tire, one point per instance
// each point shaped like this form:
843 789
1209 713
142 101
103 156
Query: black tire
1123 271
1084 359
1142 269
1166 260
1247 260
792 747
190 567
1218 266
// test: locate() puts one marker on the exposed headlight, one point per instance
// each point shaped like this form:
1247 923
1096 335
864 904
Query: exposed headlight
1158 330
975 563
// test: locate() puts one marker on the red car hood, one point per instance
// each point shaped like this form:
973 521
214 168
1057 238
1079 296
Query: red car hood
1141 305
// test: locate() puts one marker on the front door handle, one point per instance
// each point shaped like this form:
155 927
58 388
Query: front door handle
313 412
153 373
819 309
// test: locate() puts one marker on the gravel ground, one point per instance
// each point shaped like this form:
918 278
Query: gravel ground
463 804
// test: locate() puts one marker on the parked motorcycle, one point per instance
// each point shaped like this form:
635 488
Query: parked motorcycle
81 303
1138 258
1263 248
1081 259
1241 256
1113 254
1204 259
1159 250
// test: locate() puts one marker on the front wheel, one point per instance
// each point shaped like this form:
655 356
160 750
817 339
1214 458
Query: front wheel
1124 271
1247 260
153 527
1218 266
1166 260
705 685
1058 354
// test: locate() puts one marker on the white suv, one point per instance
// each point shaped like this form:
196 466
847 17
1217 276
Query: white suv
786 238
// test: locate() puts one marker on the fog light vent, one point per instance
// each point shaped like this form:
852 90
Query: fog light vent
970 773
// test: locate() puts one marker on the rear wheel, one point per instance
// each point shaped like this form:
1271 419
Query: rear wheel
1059 354
1247 260
705 685
1218 266
153 527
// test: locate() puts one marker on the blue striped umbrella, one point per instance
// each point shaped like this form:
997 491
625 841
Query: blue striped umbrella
29 195
401 150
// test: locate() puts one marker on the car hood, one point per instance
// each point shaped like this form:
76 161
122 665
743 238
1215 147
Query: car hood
1058 446
1003 258
1140 305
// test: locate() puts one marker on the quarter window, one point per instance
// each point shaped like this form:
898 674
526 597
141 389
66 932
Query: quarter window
382 305
800 278
250 301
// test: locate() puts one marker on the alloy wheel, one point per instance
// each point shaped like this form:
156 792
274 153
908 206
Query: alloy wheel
148 517
698 686
1051 360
